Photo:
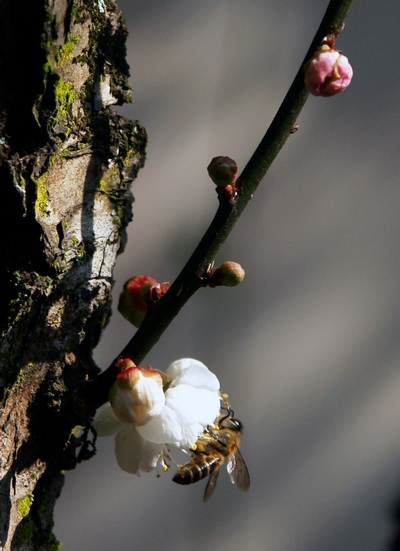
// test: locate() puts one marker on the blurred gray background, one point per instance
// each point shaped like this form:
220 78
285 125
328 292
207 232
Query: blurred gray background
307 347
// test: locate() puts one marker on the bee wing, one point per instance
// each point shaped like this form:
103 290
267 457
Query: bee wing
211 484
238 472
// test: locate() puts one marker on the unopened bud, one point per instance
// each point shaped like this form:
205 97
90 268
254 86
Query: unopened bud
231 273
228 274
124 363
138 293
328 72
223 171
137 395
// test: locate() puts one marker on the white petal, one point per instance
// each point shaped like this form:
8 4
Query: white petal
140 403
106 422
190 435
182 400
129 449
178 366
164 429
192 372
134 453
187 412
207 406
151 456
193 405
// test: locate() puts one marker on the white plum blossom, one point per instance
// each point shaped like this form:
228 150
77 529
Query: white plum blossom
144 421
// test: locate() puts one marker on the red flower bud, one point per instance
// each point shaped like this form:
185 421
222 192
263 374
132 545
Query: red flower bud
134 299
223 171
124 363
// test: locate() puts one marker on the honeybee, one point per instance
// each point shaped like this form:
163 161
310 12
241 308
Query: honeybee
213 446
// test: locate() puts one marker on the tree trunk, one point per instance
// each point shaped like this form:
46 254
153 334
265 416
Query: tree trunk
66 163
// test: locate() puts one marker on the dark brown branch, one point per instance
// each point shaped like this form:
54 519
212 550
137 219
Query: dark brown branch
189 280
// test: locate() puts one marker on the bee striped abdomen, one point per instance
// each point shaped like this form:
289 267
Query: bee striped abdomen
196 470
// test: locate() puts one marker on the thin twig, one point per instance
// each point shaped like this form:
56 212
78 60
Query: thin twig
189 280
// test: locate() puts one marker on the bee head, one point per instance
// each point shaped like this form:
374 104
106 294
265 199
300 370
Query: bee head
237 424
231 423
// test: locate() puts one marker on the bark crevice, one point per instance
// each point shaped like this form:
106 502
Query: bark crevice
67 161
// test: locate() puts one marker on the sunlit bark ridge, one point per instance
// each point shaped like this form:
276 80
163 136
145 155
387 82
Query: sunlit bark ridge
66 164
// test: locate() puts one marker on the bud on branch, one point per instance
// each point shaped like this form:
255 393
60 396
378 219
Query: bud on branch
328 72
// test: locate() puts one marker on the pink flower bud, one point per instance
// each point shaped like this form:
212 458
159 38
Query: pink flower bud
328 72
137 395
134 299
223 171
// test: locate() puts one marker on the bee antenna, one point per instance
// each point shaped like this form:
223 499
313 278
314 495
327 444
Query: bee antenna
228 415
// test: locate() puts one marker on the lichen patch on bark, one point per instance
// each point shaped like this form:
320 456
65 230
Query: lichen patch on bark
67 162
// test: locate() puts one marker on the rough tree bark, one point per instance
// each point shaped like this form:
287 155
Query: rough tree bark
66 164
